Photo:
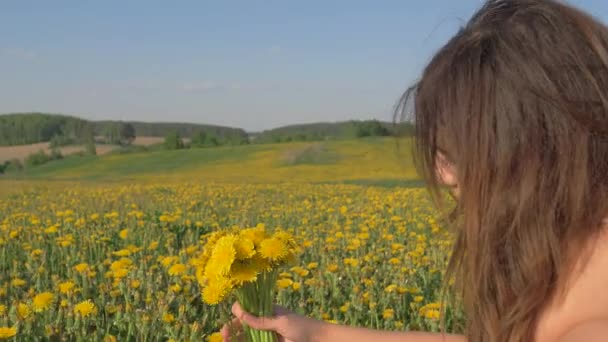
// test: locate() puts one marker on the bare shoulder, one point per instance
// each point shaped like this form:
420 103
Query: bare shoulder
584 310
590 331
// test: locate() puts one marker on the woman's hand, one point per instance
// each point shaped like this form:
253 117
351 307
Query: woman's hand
289 326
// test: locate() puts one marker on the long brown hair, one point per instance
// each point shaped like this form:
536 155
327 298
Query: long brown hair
518 99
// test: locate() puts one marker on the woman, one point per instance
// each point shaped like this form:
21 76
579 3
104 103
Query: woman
512 114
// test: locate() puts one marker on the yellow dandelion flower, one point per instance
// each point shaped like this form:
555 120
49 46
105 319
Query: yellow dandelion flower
255 235
284 283
243 273
177 270
332 268
17 282
42 301
23 311
122 253
66 287
168 318
2 309
388 314
215 337
110 338
391 288
312 265
135 284
120 273
6 332
123 234
82 267
216 290
176 288
222 257
273 249
153 245
244 247
85 308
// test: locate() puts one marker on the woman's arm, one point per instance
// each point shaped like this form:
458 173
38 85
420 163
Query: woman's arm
297 328
334 332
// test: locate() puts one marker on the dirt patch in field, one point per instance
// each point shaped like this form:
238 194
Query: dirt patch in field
22 151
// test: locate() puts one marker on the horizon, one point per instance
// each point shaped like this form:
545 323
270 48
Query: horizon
237 64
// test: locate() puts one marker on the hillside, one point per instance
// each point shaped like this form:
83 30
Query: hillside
33 128
369 161
331 130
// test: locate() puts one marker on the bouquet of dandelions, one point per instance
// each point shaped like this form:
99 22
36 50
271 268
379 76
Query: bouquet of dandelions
244 263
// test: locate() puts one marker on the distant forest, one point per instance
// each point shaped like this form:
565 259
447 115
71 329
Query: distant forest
61 130
333 130
30 128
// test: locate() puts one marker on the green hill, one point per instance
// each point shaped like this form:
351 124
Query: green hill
367 161
331 130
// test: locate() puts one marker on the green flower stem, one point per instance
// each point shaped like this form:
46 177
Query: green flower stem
257 299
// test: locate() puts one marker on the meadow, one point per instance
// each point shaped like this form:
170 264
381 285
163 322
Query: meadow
104 248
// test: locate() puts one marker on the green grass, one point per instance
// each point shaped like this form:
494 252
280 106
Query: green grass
143 163
370 162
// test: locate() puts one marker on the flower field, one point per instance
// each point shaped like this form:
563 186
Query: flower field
116 262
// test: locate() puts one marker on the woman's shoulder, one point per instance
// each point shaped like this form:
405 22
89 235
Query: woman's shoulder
586 299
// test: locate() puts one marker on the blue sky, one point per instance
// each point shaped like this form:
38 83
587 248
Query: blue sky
254 64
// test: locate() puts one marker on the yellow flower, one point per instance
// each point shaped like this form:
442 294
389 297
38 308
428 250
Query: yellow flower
388 314
284 283
6 332
135 283
222 257
168 318
42 301
17 282
245 248
23 311
332 268
51 229
153 245
394 261
312 265
122 253
432 314
351 261
273 249
177 269
418 299
110 338
296 286
243 273
82 267
66 287
215 337
2 309
256 235
391 288
85 308
123 234
216 289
